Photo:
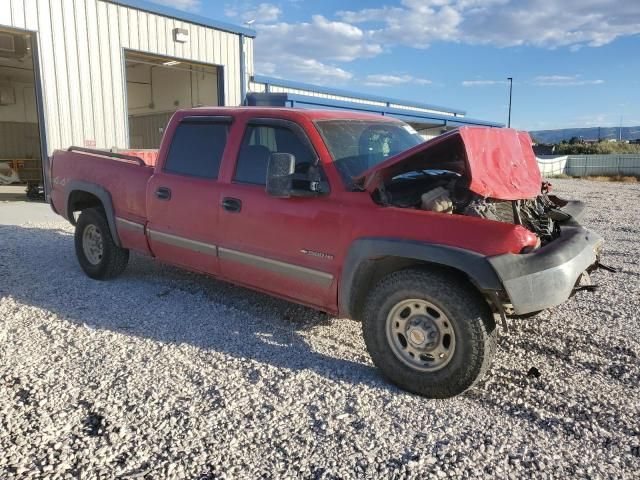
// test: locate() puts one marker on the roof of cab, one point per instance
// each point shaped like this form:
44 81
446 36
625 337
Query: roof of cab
285 112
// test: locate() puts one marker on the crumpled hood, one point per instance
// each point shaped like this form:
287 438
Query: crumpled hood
498 162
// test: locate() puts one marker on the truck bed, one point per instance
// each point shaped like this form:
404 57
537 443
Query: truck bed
124 179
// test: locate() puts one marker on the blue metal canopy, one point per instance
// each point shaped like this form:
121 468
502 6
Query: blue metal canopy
272 81
413 116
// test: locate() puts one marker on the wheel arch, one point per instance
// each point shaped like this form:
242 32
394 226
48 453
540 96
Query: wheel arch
370 259
82 195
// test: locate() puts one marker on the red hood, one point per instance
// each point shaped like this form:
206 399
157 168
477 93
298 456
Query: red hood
499 162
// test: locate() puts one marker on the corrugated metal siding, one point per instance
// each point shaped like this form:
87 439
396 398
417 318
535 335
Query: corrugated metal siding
81 46
257 87
248 47
586 165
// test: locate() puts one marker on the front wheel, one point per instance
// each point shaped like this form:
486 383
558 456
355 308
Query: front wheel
429 332
97 253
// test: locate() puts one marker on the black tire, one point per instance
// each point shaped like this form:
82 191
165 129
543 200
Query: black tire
469 316
113 259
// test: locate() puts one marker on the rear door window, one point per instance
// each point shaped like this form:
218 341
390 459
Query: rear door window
196 148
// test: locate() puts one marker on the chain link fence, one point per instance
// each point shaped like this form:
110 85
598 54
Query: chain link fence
588 165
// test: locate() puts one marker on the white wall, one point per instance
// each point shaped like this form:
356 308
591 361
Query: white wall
24 110
81 46
164 87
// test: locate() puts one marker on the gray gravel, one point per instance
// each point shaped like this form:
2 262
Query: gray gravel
167 374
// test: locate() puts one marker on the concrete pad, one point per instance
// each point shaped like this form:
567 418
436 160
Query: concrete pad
15 209
10 193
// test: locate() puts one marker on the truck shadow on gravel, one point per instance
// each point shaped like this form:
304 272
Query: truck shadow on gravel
172 306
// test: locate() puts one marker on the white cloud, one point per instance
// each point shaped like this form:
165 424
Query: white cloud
543 23
540 81
319 72
325 44
384 80
307 69
265 12
416 23
482 83
322 39
180 4
555 78
308 51
261 13
563 81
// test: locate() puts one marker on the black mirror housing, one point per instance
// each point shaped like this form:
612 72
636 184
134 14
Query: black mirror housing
284 182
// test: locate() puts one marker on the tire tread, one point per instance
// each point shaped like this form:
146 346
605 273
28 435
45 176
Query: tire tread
461 298
115 258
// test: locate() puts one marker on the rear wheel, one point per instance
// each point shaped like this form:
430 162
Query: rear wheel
429 332
97 253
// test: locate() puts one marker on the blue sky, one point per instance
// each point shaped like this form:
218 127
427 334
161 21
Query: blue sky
575 63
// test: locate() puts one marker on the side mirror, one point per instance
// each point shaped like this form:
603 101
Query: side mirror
281 167
284 182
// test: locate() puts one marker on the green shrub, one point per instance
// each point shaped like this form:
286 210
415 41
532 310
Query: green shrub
600 148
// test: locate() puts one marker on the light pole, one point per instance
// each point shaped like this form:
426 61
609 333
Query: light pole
510 91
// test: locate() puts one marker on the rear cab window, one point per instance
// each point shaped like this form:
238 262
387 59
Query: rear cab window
197 147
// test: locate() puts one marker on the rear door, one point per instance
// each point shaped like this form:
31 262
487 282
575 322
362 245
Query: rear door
279 245
182 195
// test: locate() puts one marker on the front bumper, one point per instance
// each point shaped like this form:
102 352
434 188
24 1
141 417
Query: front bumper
547 277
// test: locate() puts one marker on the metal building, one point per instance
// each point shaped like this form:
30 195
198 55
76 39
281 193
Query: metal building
108 73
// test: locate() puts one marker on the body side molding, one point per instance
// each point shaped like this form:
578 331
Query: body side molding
182 242
283 268
129 225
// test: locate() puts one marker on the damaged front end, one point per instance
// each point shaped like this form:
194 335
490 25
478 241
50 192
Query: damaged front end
472 171
493 174
541 215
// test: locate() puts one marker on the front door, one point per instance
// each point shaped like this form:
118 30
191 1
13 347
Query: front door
182 197
279 245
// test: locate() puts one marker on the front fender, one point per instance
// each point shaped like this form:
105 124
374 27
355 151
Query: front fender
364 252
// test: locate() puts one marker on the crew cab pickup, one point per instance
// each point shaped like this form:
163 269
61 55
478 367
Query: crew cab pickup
429 244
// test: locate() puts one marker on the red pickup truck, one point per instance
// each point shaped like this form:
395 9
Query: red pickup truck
427 243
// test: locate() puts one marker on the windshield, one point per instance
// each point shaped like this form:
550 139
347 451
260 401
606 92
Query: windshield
357 145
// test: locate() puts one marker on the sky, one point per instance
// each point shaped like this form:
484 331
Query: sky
574 63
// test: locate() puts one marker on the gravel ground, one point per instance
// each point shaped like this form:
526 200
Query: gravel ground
164 373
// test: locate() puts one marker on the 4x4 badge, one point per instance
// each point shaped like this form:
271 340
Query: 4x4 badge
312 253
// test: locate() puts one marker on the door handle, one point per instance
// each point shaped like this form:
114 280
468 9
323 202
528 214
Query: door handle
163 193
231 204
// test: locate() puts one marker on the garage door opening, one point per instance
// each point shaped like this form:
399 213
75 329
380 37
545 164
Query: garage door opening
20 148
158 86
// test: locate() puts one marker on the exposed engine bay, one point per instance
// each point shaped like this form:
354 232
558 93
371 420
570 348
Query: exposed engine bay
447 192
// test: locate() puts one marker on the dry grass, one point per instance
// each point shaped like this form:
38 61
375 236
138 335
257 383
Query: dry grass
602 178
614 178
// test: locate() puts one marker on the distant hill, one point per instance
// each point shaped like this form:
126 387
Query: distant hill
556 136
